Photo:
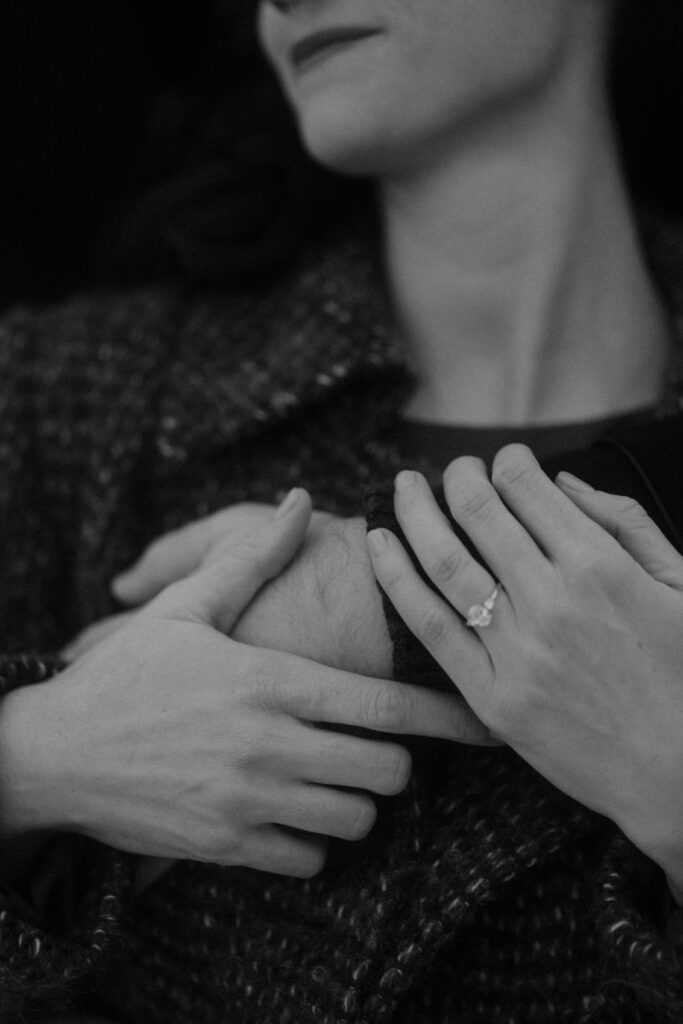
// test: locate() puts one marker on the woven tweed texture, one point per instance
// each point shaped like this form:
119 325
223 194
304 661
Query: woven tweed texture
483 894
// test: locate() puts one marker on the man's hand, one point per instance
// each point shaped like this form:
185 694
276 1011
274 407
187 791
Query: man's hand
169 739
325 605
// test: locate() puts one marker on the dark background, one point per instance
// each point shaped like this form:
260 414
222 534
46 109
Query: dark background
92 101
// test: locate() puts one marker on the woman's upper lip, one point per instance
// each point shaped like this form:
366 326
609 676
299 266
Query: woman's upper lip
310 45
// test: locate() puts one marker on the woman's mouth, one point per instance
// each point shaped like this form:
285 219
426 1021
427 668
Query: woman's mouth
325 43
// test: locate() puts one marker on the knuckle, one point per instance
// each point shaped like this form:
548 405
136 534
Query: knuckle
506 713
262 688
252 752
217 845
314 702
398 771
501 719
392 579
592 566
628 507
432 627
552 620
475 503
388 708
458 723
511 470
250 553
445 566
631 514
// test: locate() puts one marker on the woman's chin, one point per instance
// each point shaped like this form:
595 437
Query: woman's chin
350 150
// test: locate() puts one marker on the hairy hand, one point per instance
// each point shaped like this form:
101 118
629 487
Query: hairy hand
580 667
169 739
325 605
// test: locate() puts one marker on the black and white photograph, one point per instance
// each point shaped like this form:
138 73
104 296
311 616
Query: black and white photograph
341 512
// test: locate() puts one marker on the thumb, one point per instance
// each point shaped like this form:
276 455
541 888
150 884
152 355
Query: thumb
219 592
169 558
628 522
181 552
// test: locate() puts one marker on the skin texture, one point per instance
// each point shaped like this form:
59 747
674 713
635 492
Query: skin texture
211 770
507 228
432 68
325 605
580 669
510 248
591 608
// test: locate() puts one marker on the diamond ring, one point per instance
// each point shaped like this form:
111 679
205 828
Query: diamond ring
482 614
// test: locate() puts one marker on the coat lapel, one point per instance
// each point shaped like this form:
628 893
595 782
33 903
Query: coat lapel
250 361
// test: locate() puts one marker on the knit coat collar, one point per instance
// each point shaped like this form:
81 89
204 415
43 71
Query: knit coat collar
250 361
247 361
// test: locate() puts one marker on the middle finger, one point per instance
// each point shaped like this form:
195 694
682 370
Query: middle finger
500 538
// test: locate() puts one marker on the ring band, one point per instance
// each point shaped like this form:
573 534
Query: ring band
482 614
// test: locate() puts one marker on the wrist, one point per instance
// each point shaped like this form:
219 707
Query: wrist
30 796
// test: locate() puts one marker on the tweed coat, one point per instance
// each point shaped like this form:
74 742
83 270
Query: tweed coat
483 894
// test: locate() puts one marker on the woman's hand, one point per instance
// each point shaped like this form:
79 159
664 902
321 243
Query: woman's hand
581 667
325 606
170 558
174 556
171 740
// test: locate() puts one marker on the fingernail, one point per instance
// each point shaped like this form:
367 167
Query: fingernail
573 483
287 504
377 541
406 478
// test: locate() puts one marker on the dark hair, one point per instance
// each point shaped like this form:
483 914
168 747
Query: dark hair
231 194
228 193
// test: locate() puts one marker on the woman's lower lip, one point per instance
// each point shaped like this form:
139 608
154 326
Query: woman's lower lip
309 60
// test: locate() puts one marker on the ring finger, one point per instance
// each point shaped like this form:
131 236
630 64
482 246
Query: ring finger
326 812
330 758
462 580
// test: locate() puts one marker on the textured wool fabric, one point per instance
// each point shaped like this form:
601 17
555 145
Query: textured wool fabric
483 894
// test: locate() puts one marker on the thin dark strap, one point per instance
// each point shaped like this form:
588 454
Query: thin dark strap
651 452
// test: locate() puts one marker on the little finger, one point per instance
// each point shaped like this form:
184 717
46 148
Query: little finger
630 525
326 812
271 849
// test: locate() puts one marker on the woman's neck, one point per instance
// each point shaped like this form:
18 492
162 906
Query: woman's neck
519 288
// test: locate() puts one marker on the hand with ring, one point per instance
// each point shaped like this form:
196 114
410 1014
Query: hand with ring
574 651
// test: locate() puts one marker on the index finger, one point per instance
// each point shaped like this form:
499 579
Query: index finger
316 693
